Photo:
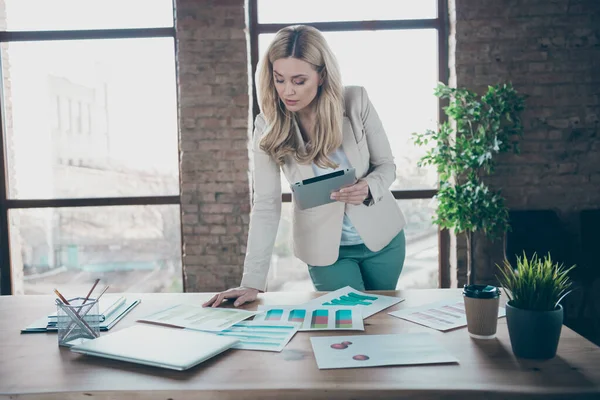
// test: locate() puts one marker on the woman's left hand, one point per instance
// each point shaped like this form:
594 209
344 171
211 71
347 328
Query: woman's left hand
354 194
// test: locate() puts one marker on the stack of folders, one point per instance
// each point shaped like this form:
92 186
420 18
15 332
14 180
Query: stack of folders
112 309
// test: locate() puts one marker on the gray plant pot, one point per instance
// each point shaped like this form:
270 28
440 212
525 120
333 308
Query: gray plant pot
534 334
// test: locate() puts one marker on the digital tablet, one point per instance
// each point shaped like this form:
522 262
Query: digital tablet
316 191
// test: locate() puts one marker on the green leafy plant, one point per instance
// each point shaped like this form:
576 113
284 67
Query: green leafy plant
535 284
462 150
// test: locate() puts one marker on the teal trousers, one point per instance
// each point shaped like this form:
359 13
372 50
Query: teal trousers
361 268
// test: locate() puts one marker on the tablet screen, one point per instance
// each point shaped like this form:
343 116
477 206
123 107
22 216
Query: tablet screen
323 177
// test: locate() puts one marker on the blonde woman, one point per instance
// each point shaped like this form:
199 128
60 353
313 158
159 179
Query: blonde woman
311 125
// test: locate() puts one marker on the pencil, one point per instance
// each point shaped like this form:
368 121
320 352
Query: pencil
91 290
61 297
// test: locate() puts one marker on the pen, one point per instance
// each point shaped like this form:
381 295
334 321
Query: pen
91 290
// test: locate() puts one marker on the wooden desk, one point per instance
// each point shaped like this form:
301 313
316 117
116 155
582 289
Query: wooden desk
32 366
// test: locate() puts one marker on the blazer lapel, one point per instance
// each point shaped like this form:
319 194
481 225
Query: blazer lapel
349 144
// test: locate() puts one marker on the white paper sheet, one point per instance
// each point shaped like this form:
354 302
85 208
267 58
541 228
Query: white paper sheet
376 350
368 303
261 335
198 317
443 315
315 318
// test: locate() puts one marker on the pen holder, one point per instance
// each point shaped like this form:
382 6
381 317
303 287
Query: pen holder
77 322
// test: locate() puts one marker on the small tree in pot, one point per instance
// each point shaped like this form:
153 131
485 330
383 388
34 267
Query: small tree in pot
534 315
462 152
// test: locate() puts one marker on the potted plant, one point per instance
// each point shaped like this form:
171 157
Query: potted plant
462 150
534 314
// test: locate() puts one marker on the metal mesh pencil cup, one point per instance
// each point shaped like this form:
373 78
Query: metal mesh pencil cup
77 322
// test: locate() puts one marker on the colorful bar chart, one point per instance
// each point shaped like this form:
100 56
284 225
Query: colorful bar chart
313 318
266 336
351 299
274 315
320 319
297 315
347 297
343 319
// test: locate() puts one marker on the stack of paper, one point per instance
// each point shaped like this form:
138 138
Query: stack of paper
442 315
261 335
251 335
198 318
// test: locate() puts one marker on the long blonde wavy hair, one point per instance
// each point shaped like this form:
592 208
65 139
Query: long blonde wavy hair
307 44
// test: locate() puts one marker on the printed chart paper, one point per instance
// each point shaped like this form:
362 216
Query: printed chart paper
443 315
314 319
368 303
261 335
198 317
377 350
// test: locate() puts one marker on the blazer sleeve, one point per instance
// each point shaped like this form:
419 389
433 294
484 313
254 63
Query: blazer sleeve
265 213
382 168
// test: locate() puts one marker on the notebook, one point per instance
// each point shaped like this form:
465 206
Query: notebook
157 346
107 306
45 324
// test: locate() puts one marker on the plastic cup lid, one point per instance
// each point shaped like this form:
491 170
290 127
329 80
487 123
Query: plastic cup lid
481 291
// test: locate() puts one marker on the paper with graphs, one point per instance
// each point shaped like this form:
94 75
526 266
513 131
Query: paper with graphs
369 304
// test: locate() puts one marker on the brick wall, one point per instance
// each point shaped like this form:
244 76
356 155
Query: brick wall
550 50
214 119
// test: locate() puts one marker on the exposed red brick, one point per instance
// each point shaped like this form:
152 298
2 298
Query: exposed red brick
214 115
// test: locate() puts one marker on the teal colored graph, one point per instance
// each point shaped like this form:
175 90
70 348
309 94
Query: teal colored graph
351 299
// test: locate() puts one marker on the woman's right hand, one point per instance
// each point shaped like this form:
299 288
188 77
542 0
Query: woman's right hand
241 295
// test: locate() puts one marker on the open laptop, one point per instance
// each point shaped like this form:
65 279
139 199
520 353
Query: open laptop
163 347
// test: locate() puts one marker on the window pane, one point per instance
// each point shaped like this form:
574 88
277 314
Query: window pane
40 15
287 273
131 248
290 11
420 270
400 84
421 265
91 118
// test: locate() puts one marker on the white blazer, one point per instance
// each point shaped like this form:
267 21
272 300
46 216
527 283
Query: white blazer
317 231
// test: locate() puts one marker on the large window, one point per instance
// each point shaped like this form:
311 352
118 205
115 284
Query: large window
90 154
394 48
